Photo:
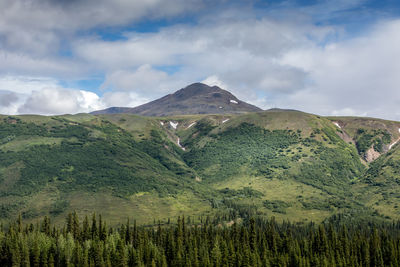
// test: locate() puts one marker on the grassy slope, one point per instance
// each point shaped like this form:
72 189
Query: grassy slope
86 163
288 164
379 187
279 154
371 134
352 124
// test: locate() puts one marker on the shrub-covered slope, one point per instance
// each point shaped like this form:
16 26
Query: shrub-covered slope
44 161
292 165
379 187
282 163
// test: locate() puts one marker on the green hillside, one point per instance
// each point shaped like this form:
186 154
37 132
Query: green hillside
292 164
51 165
282 163
379 187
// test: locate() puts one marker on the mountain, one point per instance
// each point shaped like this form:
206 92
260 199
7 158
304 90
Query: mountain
283 163
196 98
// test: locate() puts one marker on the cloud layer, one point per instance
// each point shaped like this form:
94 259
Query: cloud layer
27 95
285 56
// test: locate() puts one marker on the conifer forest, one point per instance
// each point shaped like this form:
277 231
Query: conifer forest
199 242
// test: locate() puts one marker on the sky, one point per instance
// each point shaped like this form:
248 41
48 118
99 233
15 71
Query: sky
325 57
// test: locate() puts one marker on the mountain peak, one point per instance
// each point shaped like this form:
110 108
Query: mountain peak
196 98
194 90
201 89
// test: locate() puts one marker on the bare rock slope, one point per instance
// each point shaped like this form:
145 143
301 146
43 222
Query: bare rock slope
196 98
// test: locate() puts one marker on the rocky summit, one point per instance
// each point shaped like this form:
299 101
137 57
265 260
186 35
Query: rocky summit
197 98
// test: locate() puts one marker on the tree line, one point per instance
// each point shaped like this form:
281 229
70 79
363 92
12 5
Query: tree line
197 243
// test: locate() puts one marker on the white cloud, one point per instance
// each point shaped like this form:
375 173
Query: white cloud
357 76
86 14
348 112
161 48
24 84
130 88
33 30
252 38
241 53
50 101
7 98
142 80
123 99
41 95
35 36
8 102
25 64
286 62
213 80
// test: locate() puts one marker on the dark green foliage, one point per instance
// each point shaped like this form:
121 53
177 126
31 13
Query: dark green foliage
245 145
386 138
332 136
373 138
318 205
364 141
254 242
253 150
116 163
155 147
331 168
97 157
14 127
201 129
383 172
7 139
59 207
277 205
245 192
72 165
7 209
378 146
29 214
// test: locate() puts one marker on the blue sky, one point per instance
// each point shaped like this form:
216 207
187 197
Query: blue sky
326 57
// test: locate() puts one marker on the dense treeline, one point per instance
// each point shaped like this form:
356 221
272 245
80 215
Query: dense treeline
254 242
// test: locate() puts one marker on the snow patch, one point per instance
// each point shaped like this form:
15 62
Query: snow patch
225 120
179 144
173 124
193 123
337 125
395 142
233 101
